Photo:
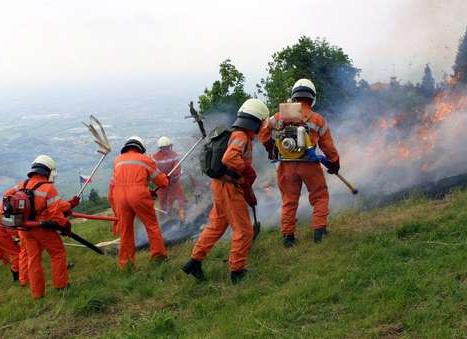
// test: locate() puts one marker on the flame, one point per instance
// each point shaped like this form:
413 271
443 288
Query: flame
399 142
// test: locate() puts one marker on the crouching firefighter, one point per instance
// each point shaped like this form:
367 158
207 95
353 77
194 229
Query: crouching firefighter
227 159
291 137
36 200
130 197
166 159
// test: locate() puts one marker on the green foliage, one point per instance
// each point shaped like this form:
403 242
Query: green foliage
94 196
397 271
98 204
326 65
460 65
226 94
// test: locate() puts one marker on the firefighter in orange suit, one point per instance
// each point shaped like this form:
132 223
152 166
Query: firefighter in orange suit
231 195
130 197
48 208
166 159
9 252
291 175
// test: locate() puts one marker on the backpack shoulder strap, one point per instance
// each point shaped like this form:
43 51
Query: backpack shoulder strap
39 184
25 183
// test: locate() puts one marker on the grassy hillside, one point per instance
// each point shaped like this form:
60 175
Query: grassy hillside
399 271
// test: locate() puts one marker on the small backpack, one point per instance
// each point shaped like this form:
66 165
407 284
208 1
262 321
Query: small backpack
213 151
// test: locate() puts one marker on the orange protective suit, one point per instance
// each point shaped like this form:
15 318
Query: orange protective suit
129 197
291 175
229 207
9 250
48 206
166 159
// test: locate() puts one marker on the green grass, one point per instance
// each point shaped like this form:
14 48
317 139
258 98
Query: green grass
397 271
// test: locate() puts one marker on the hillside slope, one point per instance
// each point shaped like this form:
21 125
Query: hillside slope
397 271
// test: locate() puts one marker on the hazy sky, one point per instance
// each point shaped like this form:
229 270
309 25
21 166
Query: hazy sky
46 43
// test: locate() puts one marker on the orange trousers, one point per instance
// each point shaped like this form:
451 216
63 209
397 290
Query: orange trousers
130 202
290 177
37 240
9 251
168 196
229 208
23 261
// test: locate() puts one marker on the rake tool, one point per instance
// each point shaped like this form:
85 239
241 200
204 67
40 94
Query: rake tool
100 138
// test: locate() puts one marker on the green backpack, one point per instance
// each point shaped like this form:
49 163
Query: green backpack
213 151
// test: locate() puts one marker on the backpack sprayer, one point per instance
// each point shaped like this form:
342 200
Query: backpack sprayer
19 214
293 142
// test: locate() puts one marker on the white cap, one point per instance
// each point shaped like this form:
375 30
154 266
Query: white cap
304 88
44 165
256 108
164 142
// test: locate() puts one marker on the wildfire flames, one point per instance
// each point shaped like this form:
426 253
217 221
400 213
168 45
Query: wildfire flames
420 143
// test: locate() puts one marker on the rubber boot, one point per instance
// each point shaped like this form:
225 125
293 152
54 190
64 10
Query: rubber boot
318 234
15 275
237 276
193 267
289 240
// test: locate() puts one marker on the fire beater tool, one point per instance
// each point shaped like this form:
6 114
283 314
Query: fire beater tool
100 138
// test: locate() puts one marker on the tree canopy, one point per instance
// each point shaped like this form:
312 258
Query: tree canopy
226 94
326 65
460 65
427 87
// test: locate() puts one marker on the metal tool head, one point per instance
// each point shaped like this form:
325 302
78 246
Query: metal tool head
198 118
98 132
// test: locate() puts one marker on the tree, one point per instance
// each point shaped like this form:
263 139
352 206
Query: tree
94 196
226 94
427 87
460 65
327 66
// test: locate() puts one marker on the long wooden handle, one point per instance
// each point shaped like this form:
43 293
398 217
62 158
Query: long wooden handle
348 184
93 217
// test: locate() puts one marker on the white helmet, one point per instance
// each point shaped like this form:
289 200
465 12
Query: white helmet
164 142
44 165
304 88
251 114
134 142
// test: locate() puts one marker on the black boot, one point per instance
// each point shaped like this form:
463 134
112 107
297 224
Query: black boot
15 275
237 276
318 234
193 267
289 240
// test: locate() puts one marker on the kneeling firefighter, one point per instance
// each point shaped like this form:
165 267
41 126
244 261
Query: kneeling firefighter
291 136
227 159
129 197
44 205
166 159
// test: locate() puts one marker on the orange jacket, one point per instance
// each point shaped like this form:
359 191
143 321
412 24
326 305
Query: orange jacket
136 170
166 159
320 133
239 153
48 204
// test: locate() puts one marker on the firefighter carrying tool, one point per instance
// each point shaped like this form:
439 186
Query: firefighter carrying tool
227 159
291 137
